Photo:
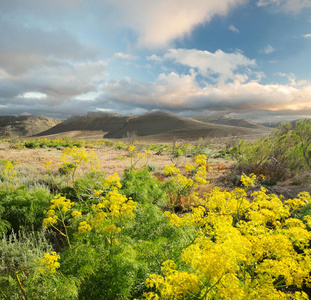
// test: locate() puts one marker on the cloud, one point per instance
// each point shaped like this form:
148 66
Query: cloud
125 56
37 61
267 50
154 57
59 84
307 35
292 79
157 23
290 6
220 64
169 90
24 49
233 28
182 93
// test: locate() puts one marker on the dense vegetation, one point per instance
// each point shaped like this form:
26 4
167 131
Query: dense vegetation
285 153
133 236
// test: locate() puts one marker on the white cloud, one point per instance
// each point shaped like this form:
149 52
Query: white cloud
293 6
154 57
169 90
307 35
233 28
34 95
223 65
157 23
267 50
181 92
125 56
292 79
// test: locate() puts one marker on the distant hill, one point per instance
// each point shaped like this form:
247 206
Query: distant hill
92 121
151 126
228 120
162 125
25 126
276 124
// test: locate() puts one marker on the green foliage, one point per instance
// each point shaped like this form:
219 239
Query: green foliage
114 278
31 144
222 154
67 168
303 131
4 224
305 211
20 253
83 188
45 143
143 187
22 250
280 156
24 208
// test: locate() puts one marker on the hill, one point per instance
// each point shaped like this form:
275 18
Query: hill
151 126
93 122
25 126
228 120
276 124
165 126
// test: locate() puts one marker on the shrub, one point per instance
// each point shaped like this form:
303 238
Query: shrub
254 249
23 208
143 187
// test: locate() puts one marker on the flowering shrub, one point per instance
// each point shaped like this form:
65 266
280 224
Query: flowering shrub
58 211
112 207
135 155
180 188
120 244
242 250
7 172
75 157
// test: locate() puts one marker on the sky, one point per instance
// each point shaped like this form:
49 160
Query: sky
249 58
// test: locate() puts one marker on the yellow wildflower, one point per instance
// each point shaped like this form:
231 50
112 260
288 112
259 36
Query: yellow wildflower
76 213
84 227
49 262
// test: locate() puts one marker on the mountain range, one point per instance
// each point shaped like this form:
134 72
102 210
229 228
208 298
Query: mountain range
154 125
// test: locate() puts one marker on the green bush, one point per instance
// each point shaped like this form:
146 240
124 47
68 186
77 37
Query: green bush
24 208
143 187
20 254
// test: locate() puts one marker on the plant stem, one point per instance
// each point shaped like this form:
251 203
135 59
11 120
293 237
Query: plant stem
20 284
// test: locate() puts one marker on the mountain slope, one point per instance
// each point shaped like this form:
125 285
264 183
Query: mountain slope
25 126
155 125
228 120
165 125
104 122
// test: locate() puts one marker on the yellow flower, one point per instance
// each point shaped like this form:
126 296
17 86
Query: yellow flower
112 229
76 213
200 159
84 227
170 170
50 221
49 262
248 181
51 212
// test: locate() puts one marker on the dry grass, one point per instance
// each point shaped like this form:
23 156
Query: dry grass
32 162
35 159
